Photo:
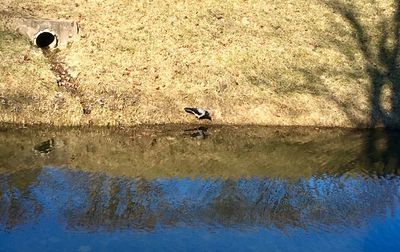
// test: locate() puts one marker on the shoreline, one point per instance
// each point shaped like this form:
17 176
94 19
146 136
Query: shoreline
166 127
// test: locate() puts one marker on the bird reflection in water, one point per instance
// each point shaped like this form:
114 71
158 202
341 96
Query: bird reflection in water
198 133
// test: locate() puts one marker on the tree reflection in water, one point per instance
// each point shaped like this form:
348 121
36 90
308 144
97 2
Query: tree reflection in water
17 204
239 178
92 202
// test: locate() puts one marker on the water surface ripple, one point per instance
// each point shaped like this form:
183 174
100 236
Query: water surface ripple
165 188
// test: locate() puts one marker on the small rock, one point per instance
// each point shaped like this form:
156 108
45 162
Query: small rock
44 147
86 110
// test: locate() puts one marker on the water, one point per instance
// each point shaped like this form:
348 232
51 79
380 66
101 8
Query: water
222 189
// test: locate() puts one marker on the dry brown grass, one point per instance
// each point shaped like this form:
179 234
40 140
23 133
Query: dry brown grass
248 62
27 90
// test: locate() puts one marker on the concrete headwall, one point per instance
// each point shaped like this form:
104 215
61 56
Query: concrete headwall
64 30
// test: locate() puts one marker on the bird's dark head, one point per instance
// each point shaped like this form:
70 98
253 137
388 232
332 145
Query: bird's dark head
206 116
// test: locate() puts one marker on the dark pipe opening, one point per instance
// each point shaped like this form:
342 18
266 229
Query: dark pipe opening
45 39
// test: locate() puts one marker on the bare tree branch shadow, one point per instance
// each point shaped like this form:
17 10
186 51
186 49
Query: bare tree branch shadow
381 64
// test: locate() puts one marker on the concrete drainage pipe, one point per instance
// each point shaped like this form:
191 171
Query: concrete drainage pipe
45 33
45 39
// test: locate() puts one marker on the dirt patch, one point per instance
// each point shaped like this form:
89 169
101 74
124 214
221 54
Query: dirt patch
64 80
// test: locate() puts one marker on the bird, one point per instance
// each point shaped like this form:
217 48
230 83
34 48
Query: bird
199 113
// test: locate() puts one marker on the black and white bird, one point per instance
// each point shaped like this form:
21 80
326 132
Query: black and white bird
199 113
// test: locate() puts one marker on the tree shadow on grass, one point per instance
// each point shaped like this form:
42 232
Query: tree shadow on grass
382 65
15 103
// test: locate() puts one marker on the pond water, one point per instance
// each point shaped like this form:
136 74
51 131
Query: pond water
173 188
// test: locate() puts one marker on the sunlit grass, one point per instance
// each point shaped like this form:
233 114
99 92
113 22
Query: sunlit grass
265 62
28 89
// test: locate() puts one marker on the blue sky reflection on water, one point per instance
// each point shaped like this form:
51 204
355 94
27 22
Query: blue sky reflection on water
65 210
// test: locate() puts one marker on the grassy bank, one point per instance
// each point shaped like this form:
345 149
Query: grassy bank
258 62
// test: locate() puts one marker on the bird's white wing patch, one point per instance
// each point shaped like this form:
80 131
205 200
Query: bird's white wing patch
201 112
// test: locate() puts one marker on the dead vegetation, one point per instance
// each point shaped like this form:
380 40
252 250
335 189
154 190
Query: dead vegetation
248 62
